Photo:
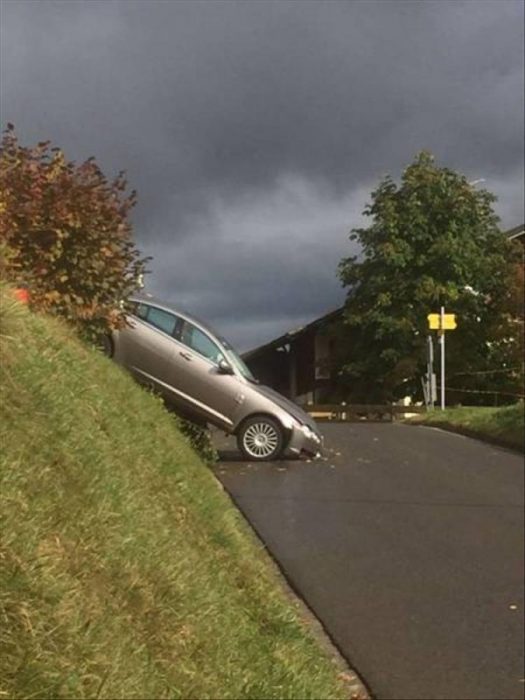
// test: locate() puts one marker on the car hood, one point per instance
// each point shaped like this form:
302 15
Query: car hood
293 409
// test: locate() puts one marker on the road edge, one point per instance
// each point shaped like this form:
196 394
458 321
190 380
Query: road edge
357 687
460 430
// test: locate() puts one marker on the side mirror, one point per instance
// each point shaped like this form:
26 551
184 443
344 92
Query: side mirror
224 367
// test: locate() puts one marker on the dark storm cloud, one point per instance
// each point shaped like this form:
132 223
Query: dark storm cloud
215 108
269 264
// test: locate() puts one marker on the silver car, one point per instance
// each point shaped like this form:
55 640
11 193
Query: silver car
202 376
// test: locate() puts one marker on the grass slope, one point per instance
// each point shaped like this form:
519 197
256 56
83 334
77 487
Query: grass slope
503 425
125 570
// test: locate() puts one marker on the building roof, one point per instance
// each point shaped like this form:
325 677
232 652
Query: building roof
515 232
289 336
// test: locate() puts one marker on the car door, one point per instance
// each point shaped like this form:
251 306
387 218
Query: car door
216 393
148 346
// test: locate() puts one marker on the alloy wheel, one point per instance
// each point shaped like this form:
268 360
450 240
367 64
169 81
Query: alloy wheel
261 440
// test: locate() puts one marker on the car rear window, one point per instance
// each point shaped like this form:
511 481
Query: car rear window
162 320
136 308
141 311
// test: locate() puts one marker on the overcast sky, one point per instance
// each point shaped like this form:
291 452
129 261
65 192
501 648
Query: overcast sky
255 131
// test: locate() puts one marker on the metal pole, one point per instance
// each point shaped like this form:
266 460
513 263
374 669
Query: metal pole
424 386
442 340
430 372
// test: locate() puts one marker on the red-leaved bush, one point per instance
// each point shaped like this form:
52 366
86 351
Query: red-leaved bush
65 232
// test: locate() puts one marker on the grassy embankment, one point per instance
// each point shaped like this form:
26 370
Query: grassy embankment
503 426
124 569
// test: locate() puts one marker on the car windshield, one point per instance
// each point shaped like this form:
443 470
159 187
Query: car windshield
237 361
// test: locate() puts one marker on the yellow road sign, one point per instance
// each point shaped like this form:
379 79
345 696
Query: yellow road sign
449 322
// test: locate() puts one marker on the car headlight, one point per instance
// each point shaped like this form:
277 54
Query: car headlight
309 434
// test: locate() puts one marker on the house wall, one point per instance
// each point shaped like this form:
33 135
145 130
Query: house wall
304 357
273 369
303 371
314 360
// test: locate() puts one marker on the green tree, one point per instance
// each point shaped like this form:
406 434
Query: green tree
65 232
433 240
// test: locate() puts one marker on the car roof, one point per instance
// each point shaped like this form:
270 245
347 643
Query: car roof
179 311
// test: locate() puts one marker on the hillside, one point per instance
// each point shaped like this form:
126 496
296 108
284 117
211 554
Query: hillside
125 570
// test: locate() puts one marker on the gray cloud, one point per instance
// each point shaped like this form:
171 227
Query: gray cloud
272 257
254 131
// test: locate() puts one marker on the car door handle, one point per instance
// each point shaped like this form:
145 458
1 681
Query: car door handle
185 355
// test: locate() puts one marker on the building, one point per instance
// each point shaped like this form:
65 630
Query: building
517 234
299 364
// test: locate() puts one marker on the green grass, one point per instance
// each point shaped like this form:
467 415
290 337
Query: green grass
126 572
503 425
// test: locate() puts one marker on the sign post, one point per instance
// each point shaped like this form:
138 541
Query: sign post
442 322
442 341
430 387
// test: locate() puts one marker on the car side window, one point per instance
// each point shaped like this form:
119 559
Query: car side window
136 308
141 311
195 339
162 320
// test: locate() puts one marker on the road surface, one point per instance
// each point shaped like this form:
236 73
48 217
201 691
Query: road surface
407 543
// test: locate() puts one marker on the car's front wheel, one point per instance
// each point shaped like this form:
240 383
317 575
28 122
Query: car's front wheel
261 438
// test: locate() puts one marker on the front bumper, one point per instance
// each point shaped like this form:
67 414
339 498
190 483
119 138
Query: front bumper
308 442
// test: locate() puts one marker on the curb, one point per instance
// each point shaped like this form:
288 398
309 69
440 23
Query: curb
467 432
357 688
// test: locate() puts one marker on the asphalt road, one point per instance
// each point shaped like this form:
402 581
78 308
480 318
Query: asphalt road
407 543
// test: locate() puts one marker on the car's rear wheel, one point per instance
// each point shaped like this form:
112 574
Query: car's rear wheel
106 345
261 438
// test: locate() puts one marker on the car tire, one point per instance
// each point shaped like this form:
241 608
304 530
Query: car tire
106 346
261 439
